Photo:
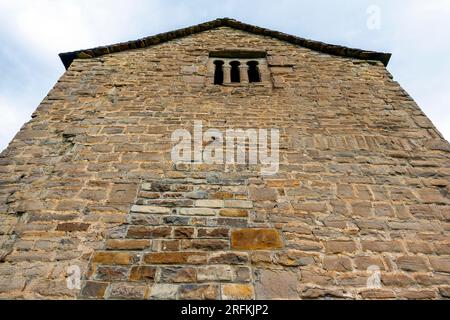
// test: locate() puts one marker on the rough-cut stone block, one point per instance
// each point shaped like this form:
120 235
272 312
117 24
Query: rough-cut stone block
150 209
337 263
141 232
119 258
237 292
412 263
197 292
183 232
255 239
175 258
440 264
72 226
244 204
337 246
198 211
127 244
262 194
213 232
378 294
382 246
178 274
163 291
276 284
209 203
94 289
228 257
127 291
145 273
233 212
215 273
111 273
205 244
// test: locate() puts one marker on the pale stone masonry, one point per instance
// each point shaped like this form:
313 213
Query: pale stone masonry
89 182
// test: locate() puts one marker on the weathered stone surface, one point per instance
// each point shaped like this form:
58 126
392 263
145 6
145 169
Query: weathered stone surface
109 273
276 284
412 263
233 212
127 244
94 289
163 291
175 258
262 194
142 273
178 274
127 291
340 246
197 292
440 264
255 239
198 211
120 258
140 232
228 258
72 226
337 263
150 209
215 273
237 292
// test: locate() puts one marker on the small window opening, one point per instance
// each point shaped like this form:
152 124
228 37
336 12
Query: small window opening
218 72
253 72
235 76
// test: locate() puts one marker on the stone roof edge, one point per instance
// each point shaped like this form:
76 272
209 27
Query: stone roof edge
68 57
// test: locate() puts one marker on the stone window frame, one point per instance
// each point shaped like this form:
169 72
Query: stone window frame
243 57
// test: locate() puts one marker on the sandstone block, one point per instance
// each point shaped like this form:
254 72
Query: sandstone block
72 226
233 212
196 292
337 263
255 239
262 194
337 246
175 258
94 289
163 291
142 273
244 204
198 211
228 258
119 258
412 263
276 284
127 291
127 244
440 264
150 209
178 274
215 273
237 292
209 203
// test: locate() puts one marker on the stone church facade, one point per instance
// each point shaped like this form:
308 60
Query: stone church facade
358 209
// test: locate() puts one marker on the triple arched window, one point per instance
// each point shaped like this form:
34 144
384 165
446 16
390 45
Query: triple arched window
236 71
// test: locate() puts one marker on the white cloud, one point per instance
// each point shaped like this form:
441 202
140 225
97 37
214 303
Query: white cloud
13 116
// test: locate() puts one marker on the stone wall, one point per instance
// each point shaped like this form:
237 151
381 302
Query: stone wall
88 182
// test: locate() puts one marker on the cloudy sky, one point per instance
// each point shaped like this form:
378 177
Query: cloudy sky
33 32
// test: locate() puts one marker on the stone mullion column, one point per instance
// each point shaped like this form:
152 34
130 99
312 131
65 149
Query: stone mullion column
226 69
243 73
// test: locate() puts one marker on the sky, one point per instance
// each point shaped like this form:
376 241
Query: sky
33 32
